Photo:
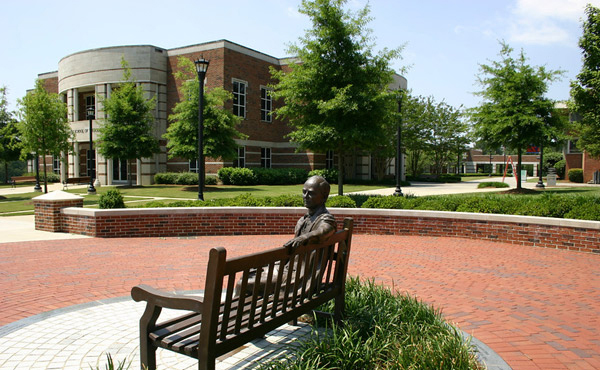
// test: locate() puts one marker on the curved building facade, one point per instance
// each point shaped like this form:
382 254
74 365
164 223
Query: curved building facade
85 78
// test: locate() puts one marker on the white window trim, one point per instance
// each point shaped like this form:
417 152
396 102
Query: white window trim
245 106
269 98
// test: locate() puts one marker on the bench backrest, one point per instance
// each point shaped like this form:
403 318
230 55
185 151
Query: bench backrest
295 283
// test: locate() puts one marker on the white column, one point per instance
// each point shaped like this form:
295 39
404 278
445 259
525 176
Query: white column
138 172
109 171
75 105
76 159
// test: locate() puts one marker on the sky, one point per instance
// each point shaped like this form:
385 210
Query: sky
444 41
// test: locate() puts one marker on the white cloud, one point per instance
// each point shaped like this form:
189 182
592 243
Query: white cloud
545 22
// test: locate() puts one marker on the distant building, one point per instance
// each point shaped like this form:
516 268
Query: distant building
84 78
477 162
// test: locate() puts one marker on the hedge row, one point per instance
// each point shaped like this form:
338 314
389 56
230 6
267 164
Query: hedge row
262 176
544 205
182 178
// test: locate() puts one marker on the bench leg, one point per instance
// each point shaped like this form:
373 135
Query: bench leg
147 355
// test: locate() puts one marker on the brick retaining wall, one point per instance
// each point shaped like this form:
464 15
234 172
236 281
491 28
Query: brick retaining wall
583 236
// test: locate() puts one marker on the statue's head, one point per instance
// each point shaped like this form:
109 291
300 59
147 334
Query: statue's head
315 192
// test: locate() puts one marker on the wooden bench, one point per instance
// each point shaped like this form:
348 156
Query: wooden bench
15 179
295 282
76 180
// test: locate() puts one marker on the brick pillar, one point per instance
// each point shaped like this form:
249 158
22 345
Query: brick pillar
47 209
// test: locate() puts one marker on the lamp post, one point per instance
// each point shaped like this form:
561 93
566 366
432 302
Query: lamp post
201 68
37 186
398 191
540 183
91 114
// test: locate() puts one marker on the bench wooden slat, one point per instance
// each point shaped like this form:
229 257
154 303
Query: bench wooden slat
246 297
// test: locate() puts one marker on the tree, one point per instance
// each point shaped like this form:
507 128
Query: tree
416 119
219 123
43 125
447 136
126 133
337 98
585 91
10 144
513 110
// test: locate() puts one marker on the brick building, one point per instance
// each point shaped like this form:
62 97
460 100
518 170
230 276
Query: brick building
84 78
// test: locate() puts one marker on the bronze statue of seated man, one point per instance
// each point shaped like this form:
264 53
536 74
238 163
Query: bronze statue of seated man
314 227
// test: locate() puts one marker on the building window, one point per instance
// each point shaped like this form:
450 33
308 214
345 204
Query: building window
239 98
329 159
266 104
241 157
573 146
56 164
194 165
265 157
90 102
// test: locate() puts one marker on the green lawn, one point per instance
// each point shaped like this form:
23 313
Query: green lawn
23 202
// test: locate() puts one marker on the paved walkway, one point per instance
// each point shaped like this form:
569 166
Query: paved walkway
537 308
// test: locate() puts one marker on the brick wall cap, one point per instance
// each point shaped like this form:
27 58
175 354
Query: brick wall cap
339 212
57 195
181 210
489 217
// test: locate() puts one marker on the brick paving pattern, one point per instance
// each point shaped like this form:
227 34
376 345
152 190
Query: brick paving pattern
536 307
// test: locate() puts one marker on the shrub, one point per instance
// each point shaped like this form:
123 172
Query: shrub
50 176
187 178
111 199
225 175
279 176
341 201
387 202
585 212
560 168
382 330
331 174
242 176
285 201
492 184
576 175
168 178
210 180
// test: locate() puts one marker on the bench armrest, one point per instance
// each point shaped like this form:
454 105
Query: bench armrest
166 300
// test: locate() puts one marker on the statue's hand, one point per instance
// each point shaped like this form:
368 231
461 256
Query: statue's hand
296 242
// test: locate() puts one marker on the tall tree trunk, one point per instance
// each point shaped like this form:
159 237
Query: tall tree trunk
341 173
518 174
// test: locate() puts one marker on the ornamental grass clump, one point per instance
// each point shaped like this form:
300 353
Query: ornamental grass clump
382 330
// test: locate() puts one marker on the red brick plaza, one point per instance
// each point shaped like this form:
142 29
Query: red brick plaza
536 307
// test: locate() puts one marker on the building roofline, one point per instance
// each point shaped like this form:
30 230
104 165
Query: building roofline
223 43
112 47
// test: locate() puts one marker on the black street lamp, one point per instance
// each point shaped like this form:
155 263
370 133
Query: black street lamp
201 68
398 191
37 186
540 183
91 114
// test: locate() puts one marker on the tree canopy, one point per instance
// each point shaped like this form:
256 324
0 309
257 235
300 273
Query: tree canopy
585 91
514 112
337 96
10 143
127 130
219 123
43 125
432 132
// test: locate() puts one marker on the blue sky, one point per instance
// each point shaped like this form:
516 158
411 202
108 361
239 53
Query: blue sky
445 40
